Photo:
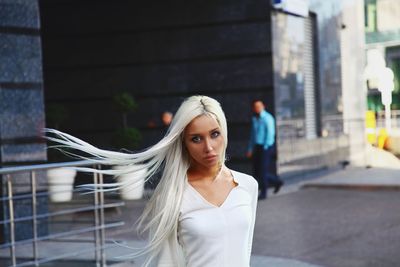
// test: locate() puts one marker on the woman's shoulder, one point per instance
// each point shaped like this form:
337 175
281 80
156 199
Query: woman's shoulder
245 180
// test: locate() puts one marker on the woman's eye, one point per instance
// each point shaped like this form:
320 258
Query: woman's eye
196 139
215 134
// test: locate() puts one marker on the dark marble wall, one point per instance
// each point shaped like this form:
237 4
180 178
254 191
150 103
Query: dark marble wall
161 52
21 90
21 101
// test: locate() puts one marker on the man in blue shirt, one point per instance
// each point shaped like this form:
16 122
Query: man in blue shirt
262 149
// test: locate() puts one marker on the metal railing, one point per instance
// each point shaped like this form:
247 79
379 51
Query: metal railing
95 207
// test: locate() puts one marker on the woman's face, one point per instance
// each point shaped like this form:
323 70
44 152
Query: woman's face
204 142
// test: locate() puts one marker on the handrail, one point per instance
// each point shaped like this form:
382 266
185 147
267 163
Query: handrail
45 166
63 212
63 234
41 194
97 207
59 257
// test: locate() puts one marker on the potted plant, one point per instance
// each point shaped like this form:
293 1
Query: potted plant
127 138
60 180
60 184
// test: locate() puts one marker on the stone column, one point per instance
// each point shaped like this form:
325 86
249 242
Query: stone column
21 106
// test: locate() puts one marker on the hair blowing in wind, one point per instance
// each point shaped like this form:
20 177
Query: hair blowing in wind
160 217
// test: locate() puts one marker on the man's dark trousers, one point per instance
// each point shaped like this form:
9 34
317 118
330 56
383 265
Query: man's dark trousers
264 160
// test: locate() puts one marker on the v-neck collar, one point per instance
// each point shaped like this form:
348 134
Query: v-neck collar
235 180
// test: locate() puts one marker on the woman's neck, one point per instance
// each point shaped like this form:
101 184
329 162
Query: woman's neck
198 172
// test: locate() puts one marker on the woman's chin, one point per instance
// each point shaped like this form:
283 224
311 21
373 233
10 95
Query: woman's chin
211 164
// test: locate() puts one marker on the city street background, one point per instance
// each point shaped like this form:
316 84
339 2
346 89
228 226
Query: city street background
327 70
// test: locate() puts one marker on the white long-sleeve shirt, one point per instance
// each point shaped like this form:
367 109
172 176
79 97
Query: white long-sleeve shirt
216 236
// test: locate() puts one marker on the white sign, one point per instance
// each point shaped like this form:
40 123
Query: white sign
378 75
386 85
297 7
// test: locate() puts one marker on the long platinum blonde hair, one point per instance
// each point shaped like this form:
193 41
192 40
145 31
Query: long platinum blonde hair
160 217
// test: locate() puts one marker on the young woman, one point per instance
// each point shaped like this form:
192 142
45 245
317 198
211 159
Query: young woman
201 214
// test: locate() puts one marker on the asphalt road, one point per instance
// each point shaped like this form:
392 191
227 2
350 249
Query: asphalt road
332 228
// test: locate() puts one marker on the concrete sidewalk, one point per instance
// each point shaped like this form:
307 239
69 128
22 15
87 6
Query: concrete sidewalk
358 178
381 173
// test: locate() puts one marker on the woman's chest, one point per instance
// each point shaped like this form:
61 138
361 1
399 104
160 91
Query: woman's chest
203 219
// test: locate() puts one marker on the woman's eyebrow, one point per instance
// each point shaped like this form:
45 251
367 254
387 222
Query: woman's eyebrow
193 134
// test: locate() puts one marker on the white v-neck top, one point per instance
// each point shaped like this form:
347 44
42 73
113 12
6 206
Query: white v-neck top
216 236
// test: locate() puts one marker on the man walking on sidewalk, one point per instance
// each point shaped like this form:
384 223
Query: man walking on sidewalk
262 149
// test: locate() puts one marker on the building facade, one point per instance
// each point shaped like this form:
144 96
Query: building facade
21 108
234 52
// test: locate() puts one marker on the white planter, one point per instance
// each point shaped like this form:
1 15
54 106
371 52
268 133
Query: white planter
61 182
134 191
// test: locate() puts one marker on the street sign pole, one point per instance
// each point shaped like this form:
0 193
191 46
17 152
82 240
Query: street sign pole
386 86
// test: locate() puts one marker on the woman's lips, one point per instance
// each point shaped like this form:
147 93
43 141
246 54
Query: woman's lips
210 157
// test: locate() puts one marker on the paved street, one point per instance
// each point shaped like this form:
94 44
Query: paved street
331 227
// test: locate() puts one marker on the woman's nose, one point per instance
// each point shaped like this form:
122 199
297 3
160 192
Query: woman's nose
207 145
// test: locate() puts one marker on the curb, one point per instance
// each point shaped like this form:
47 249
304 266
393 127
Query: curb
362 187
262 261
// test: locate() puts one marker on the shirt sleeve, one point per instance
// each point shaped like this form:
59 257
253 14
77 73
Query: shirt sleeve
270 131
253 221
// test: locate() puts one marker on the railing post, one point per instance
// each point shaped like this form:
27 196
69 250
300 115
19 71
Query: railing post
12 222
96 219
102 220
34 220
11 215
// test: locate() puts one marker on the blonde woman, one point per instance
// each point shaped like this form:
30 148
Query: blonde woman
201 214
